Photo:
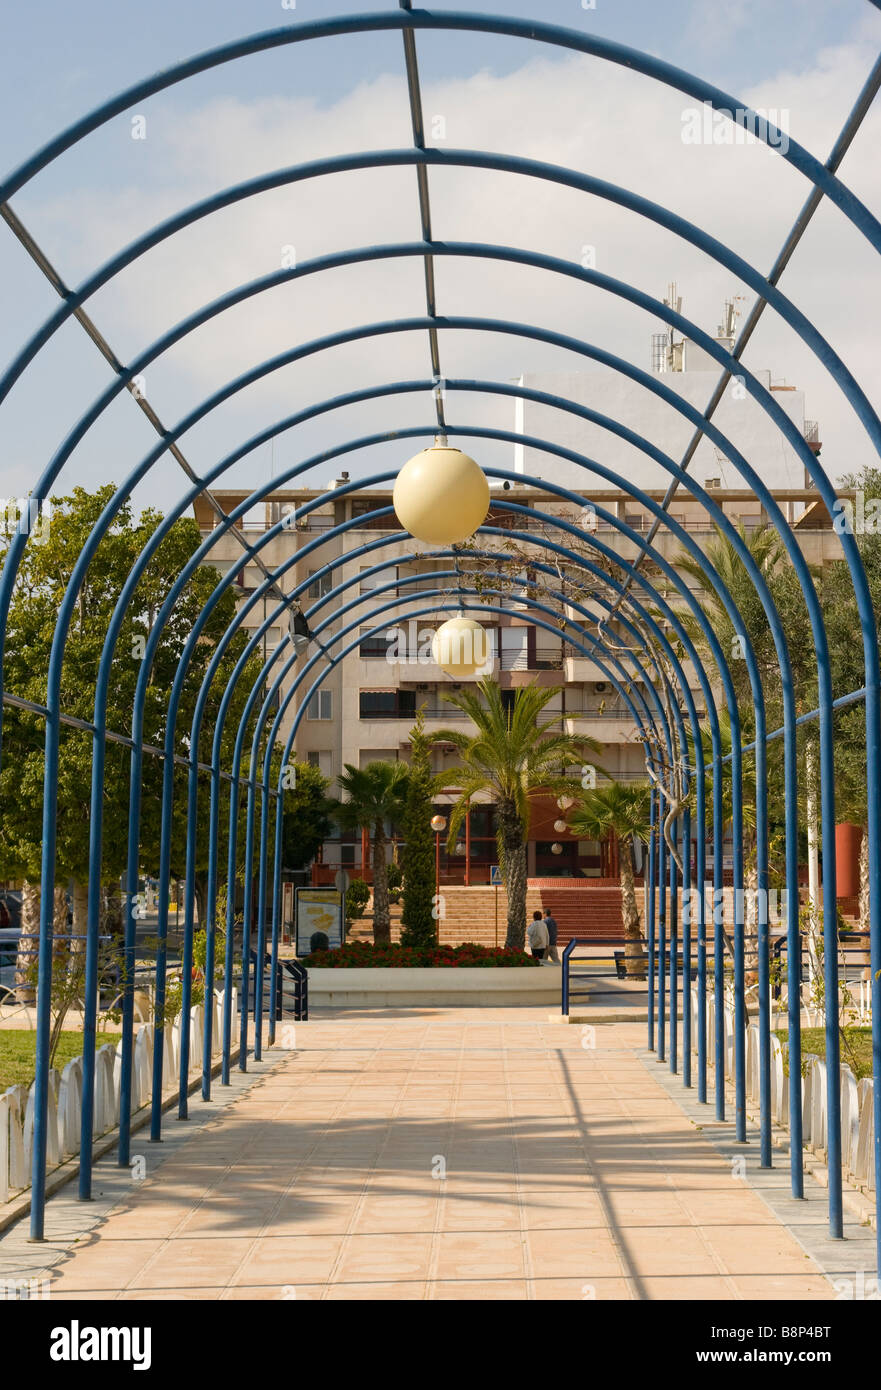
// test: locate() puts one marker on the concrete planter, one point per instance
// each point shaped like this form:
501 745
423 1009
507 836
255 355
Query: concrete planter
476 986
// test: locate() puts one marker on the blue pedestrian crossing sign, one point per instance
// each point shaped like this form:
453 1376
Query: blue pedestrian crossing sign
495 876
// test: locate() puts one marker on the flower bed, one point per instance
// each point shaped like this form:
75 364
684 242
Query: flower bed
361 955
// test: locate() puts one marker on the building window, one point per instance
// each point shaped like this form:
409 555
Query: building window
514 648
362 506
379 579
387 704
544 650
366 756
323 760
319 587
372 647
321 705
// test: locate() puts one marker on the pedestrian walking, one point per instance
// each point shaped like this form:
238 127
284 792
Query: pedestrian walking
550 923
537 936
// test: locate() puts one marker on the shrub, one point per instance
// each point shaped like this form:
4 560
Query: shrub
357 894
395 880
419 927
360 955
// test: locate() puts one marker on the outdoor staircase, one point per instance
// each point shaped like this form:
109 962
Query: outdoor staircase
581 909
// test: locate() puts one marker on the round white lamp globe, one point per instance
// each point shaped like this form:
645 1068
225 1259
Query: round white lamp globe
441 496
560 826
438 823
460 647
556 849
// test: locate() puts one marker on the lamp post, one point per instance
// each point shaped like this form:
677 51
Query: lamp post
441 496
438 824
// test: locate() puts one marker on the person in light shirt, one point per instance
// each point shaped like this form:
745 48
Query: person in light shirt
537 936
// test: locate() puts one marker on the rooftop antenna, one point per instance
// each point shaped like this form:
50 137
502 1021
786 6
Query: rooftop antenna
663 343
730 314
673 299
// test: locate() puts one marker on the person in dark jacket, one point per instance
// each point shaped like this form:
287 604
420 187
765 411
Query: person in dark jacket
551 925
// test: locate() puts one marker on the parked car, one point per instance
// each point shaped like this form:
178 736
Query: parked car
10 910
9 939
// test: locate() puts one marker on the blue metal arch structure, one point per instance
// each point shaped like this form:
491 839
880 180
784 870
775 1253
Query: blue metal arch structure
645 670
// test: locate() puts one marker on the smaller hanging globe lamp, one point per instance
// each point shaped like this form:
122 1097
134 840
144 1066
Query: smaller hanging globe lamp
461 648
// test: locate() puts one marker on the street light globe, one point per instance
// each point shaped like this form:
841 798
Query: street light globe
460 647
438 823
560 826
556 848
564 802
441 496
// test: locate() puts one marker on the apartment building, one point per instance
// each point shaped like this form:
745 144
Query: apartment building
361 706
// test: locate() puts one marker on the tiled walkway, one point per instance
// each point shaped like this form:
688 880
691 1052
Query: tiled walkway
452 1155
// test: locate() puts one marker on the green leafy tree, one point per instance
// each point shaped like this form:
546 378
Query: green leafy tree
417 917
510 756
769 555
42 579
376 797
308 816
846 659
623 809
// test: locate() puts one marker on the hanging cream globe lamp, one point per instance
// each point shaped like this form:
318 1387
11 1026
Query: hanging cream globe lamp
441 496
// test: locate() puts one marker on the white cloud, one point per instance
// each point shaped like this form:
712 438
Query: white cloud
578 112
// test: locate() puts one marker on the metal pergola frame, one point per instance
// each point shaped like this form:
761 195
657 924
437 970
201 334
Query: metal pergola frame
623 601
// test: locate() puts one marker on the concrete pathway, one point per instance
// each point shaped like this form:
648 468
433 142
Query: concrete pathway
440 1154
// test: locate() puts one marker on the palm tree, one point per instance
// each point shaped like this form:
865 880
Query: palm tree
768 553
377 795
510 756
626 811
29 942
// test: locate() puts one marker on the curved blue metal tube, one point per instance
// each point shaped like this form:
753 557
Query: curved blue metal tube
535 31
162 530
330 598
527 538
162 446
195 635
744 375
873 710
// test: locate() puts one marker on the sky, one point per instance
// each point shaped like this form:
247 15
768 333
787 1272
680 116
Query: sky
346 94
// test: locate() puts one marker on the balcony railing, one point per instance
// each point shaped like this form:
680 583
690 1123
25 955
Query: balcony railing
615 713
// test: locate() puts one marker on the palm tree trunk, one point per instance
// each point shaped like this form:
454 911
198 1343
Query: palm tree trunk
634 948
513 856
60 929
864 895
382 928
80 918
751 918
29 944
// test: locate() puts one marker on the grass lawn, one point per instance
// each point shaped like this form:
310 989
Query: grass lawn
17 1054
856 1050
